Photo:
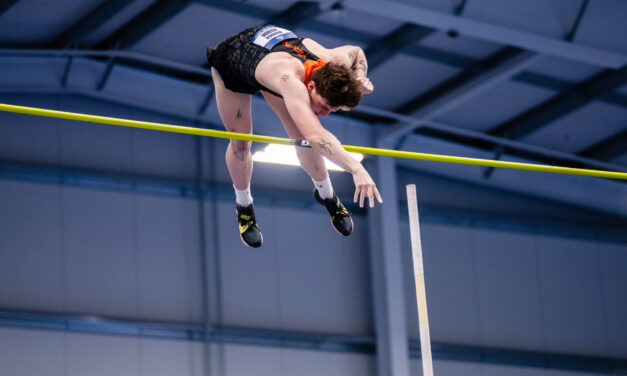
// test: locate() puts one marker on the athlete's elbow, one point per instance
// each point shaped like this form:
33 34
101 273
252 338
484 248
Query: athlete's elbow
313 137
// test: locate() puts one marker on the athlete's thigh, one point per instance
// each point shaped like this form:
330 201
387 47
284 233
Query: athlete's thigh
234 108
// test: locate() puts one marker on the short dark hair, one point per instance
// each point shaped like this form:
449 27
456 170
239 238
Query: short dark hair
336 84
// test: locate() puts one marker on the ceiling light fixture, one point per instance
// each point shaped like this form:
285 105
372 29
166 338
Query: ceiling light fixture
286 155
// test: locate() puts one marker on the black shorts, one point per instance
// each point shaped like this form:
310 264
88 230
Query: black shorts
236 59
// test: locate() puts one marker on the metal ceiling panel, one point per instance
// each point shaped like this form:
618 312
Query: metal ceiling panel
604 25
622 159
445 6
581 128
610 148
461 44
537 16
567 12
73 35
532 41
35 22
117 21
567 70
495 106
560 105
149 20
385 47
184 37
353 19
6 5
275 5
327 40
402 78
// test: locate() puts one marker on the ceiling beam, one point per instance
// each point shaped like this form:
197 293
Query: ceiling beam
562 104
396 41
6 5
570 36
490 32
296 15
500 66
88 24
144 23
240 7
608 149
463 87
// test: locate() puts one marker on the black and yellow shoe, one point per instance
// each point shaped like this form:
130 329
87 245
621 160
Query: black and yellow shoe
248 229
340 217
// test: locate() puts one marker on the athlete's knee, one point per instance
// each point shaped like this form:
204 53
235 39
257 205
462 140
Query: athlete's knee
240 145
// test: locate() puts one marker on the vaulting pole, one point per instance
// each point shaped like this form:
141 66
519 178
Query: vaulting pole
419 279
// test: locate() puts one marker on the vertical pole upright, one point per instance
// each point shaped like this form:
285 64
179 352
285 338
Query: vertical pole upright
419 278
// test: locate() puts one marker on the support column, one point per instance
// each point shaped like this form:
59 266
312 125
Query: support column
387 273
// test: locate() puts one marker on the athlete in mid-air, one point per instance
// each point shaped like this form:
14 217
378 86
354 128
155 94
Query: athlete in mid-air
300 80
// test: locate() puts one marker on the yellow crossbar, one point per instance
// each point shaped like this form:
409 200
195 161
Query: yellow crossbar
285 141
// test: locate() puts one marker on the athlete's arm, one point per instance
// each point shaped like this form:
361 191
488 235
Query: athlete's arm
354 58
296 99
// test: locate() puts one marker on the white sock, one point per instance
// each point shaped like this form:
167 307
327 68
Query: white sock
243 197
324 187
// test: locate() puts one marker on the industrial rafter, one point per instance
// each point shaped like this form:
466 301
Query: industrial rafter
296 15
404 12
464 86
562 104
144 23
608 149
398 40
86 25
6 5
482 67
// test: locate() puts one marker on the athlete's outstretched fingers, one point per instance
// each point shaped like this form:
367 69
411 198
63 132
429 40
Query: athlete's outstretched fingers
376 192
362 197
356 196
370 196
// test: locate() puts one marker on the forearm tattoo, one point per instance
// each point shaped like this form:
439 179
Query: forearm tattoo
239 114
324 146
363 66
352 54
285 77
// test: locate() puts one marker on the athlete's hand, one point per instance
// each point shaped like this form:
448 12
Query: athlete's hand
365 187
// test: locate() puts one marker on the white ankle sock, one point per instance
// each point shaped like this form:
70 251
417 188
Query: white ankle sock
324 187
243 197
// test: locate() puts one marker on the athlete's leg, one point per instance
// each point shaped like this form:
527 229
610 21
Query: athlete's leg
235 112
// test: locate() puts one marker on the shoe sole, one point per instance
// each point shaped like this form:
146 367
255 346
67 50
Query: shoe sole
333 226
250 246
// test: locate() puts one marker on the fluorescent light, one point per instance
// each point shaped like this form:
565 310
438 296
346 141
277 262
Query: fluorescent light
286 155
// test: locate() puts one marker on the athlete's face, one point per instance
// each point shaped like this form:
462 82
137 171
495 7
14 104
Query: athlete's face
318 104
